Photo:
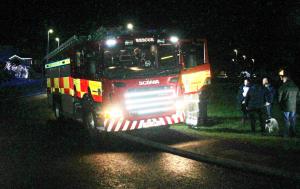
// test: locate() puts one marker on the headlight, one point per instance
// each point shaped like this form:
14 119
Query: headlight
174 39
111 42
113 112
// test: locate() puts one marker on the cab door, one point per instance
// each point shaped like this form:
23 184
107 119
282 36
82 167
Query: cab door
194 76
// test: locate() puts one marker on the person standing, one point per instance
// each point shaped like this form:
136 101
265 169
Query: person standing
271 95
241 97
255 100
287 98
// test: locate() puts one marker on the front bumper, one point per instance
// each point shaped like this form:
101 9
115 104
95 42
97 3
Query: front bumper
123 124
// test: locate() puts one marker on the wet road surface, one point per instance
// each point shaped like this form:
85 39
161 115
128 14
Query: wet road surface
37 151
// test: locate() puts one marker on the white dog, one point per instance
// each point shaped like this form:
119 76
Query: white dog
271 125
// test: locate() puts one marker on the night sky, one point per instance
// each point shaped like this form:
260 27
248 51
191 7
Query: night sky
265 30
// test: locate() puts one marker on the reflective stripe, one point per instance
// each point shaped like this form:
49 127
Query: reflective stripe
126 125
162 120
119 124
141 124
175 118
133 125
111 125
169 120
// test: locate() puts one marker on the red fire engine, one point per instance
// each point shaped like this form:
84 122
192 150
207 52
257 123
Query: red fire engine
116 80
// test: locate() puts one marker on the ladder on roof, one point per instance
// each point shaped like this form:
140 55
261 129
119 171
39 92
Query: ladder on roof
99 34
104 32
71 41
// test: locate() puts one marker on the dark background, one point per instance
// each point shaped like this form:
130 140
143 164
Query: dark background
262 29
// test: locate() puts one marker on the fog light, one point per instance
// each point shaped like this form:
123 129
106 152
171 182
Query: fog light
113 112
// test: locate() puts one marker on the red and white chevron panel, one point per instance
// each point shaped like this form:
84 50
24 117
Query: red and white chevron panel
121 124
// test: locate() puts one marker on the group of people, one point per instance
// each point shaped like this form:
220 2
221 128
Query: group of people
256 100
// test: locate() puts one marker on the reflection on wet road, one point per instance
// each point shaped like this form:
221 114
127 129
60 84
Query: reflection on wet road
38 152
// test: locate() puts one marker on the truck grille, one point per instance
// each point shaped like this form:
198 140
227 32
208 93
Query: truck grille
146 101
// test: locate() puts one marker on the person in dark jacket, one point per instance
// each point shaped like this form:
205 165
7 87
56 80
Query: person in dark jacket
271 95
255 100
241 97
287 98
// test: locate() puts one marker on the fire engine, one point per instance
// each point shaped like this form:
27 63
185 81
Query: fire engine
118 80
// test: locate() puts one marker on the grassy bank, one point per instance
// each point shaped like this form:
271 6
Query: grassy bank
225 121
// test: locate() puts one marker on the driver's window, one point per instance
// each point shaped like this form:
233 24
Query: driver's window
193 55
108 58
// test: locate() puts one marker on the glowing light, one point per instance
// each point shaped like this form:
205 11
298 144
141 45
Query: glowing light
50 31
174 39
236 51
147 105
113 112
130 26
166 57
154 110
160 41
281 72
20 71
129 42
147 93
137 101
111 42
180 105
136 68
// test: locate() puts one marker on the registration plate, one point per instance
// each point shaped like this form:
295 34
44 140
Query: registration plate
152 123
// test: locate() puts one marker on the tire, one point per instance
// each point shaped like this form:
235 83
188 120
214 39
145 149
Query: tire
90 119
58 111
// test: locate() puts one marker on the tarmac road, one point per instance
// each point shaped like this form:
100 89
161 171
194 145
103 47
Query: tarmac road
37 151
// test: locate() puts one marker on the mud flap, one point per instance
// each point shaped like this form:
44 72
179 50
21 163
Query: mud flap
191 109
196 109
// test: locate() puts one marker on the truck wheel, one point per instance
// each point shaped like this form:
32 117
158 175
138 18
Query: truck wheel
58 111
89 118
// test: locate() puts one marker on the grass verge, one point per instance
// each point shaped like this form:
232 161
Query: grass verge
225 122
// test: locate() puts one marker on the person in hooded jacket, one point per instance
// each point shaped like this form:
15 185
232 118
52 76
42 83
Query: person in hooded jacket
256 98
288 94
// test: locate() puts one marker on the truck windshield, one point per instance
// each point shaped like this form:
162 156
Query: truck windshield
144 56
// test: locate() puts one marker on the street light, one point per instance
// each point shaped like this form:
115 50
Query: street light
48 36
57 40
236 52
253 60
244 56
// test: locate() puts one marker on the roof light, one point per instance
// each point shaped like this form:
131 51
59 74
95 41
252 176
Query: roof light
111 42
130 26
174 39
